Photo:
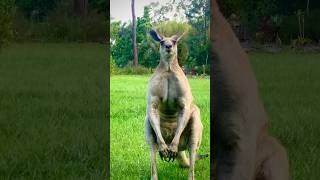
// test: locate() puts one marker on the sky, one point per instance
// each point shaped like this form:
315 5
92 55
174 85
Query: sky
121 9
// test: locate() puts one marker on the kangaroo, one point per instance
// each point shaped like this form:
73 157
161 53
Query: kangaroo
244 149
172 123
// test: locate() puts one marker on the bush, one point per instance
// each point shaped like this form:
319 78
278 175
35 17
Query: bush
299 43
289 29
113 67
6 17
60 25
130 70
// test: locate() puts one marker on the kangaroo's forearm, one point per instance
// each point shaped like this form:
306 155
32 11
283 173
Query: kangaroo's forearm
182 122
154 119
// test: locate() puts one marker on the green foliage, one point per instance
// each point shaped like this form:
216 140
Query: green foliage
289 29
198 15
170 28
100 5
113 67
7 10
130 70
281 13
58 27
40 9
148 57
121 43
48 20
193 45
36 9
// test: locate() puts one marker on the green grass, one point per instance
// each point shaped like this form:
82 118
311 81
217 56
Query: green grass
52 111
289 84
129 157
52 114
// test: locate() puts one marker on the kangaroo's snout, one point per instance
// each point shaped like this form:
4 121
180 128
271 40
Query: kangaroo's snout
168 46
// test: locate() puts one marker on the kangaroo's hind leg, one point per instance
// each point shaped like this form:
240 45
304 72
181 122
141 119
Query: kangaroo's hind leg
272 160
195 139
151 140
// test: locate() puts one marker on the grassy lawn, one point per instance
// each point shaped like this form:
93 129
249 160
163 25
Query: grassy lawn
129 155
52 111
52 114
289 84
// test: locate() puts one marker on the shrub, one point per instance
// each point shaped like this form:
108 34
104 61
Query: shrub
130 70
299 43
289 29
6 17
113 67
60 25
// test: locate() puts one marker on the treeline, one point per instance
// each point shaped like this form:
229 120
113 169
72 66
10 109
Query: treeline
291 19
60 20
192 19
6 15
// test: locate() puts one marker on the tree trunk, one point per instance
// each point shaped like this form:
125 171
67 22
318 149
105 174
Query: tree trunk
80 7
308 2
134 42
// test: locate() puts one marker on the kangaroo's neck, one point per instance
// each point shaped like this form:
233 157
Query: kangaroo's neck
225 43
229 55
169 63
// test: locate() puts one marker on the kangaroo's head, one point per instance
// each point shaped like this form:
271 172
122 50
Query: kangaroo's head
168 45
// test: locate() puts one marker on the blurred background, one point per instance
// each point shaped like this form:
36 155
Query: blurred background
57 20
53 89
275 23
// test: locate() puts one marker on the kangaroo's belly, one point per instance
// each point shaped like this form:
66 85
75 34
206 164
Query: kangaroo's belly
168 129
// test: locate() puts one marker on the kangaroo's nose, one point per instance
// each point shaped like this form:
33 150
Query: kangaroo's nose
168 46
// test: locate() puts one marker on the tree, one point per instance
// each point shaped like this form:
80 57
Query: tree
6 18
134 39
147 56
80 7
121 43
35 8
198 15
102 6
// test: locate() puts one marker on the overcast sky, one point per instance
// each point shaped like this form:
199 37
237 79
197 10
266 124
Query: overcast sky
121 9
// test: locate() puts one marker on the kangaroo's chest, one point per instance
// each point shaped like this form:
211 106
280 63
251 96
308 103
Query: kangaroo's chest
170 91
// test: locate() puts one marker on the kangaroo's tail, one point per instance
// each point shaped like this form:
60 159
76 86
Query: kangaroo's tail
201 156
184 160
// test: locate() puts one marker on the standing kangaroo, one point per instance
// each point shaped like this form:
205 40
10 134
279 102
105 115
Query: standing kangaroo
245 150
172 123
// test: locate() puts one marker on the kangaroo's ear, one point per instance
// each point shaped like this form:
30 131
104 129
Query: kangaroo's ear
155 35
176 38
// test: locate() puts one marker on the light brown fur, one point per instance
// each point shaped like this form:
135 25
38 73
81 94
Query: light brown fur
172 122
245 150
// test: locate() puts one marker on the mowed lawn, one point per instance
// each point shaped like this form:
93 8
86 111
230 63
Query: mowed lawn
130 157
53 111
53 106
289 84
